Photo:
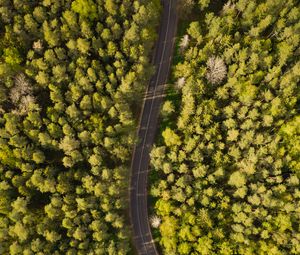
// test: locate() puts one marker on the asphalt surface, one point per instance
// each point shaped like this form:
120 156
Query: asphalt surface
147 128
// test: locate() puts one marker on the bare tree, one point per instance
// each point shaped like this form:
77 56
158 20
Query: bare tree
184 42
25 104
21 94
21 88
216 70
155 221
37 45
227 7
180 82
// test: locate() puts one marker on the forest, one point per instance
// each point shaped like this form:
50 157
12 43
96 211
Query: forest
72 75
226 165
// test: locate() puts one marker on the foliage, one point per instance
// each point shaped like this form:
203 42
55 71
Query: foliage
229 161
71 73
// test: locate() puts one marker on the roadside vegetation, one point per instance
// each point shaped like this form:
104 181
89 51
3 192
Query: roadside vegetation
227 162
72 74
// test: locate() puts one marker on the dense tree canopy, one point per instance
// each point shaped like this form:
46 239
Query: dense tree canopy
228 162
71 74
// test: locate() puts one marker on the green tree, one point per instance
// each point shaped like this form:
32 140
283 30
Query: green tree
171 138
167 109
86 8
12 56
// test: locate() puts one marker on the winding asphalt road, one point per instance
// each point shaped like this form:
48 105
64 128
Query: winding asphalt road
147 128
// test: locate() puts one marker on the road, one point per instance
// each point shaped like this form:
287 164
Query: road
147 128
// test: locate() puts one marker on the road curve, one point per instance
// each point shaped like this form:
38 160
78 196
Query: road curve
142 236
